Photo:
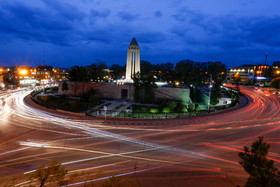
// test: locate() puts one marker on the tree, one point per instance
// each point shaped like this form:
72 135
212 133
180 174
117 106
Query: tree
64 86
148 83
51 172
146 68
275 83
191 107
216 68
171 105
97 71
216 94
137 87
261 170
236 80
79 74
118 71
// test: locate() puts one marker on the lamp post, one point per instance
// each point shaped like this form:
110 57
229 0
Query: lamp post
209 93
105 110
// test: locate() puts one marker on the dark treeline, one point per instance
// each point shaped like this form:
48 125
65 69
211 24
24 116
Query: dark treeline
185 71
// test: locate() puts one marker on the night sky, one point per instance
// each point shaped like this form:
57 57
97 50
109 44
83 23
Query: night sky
64 33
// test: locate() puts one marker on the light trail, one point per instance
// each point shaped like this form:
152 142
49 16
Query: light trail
202 142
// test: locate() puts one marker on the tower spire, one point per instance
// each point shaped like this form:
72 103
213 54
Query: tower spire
133 60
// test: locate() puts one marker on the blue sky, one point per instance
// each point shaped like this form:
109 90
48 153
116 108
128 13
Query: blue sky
69 32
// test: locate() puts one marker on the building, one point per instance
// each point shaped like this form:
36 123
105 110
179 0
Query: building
133 60
2 85
27 76
248 74
275 69
59 74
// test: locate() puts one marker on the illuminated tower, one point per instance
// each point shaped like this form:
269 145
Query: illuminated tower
133 60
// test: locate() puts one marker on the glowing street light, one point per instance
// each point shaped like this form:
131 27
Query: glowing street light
23 72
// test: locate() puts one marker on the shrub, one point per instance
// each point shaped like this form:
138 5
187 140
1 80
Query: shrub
144 109
191 107
197 108
166 110
154 110
171 105
184 109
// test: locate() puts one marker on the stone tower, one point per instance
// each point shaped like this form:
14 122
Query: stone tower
133 60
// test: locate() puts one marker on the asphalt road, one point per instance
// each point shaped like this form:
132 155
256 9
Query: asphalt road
201 151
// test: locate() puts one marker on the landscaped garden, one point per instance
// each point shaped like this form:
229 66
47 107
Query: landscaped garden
50 98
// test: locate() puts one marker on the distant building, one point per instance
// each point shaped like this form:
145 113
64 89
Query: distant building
26 76
276 69
249 73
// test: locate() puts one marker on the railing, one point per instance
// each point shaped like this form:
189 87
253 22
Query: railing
149 115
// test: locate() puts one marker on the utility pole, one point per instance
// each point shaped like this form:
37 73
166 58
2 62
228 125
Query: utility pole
105 110
210 85
265 58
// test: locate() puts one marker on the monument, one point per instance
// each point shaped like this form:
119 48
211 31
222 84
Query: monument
133 60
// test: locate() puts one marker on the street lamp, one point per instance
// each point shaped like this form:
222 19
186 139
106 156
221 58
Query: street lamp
210 86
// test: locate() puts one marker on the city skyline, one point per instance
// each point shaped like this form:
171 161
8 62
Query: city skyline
68 33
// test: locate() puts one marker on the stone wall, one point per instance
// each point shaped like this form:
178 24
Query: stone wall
105 90
114 91
182 94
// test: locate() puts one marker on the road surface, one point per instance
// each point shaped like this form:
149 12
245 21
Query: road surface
201 151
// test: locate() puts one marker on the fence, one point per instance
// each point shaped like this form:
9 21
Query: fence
149 115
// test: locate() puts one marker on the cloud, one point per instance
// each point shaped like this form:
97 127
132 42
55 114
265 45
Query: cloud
99 14
20 21
150 37
158 14
227 31
65 10
126 16
185 14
